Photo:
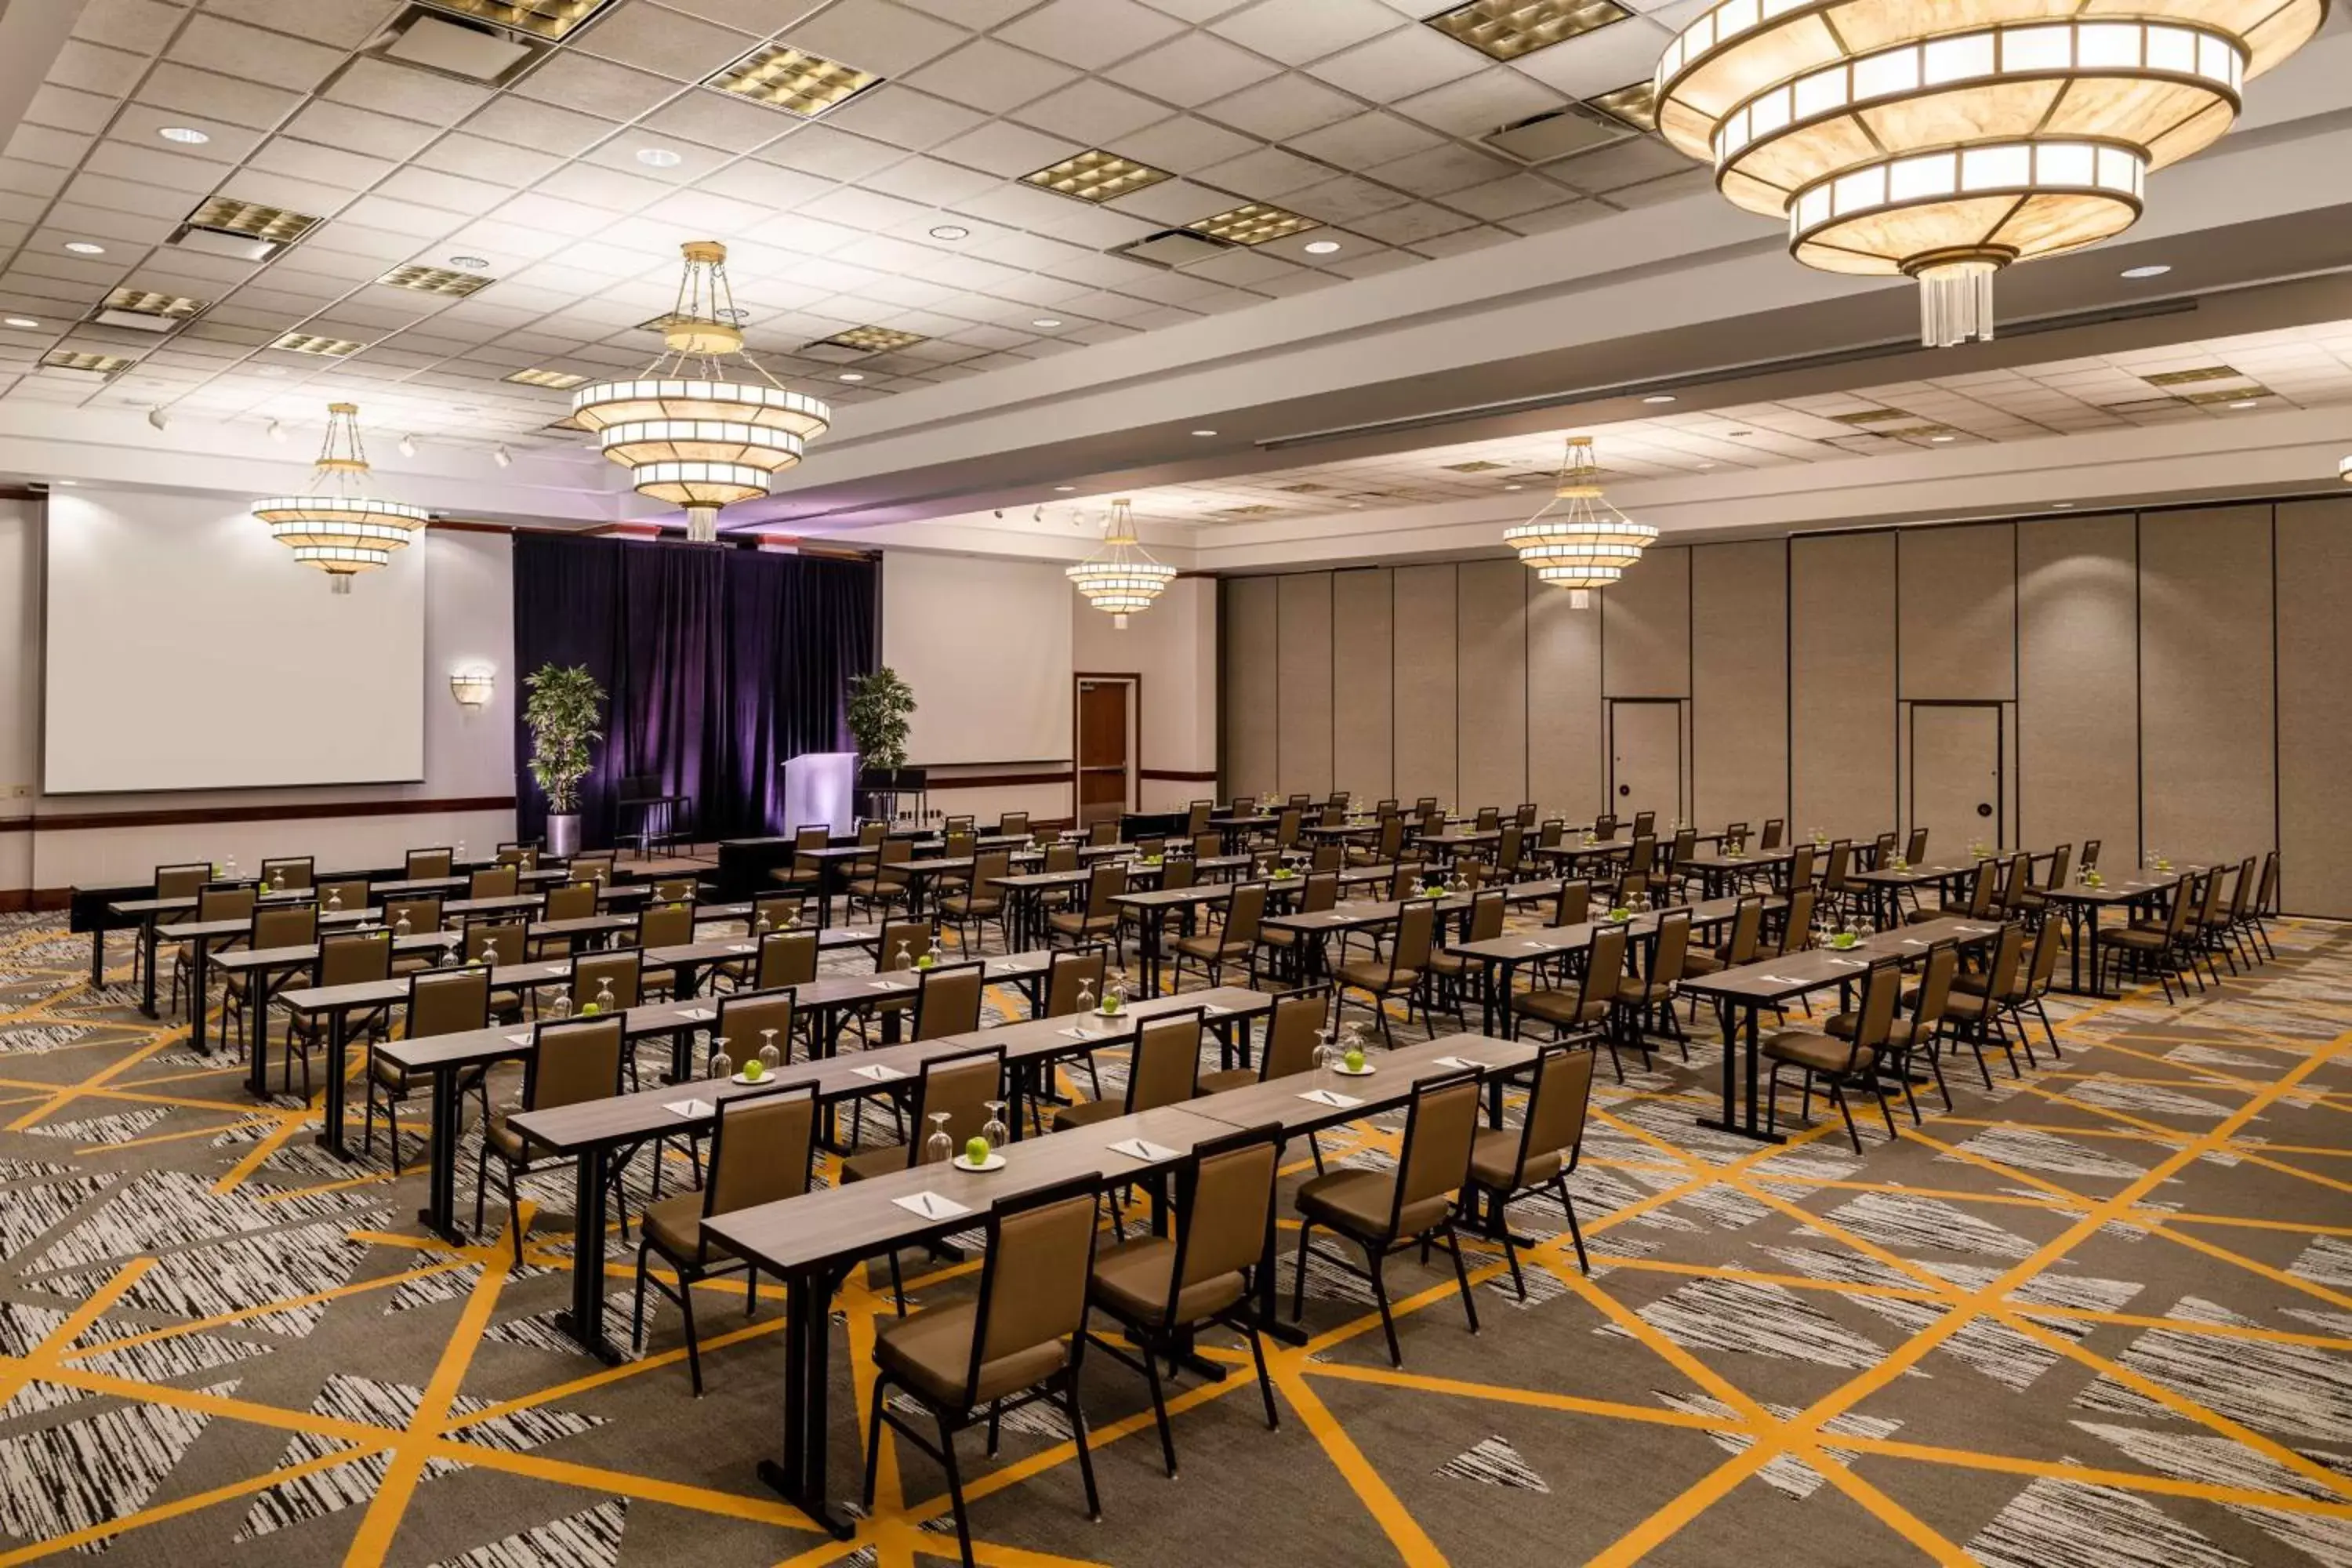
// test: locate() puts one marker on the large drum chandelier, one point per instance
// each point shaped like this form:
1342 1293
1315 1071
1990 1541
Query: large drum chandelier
688 435
1579 541
1121 578
1945 141
337 527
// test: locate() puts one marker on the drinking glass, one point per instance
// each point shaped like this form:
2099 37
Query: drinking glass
769 1055
1326 1050
490 953
761 926
938 954
231 874
905 960
1086 996
938 1148
402 928
994 1129
335 901
560 1008
603 996
722 1065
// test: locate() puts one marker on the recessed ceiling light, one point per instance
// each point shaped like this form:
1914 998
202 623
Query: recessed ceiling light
1635 103
1064 490
792 80
1659 397
25 321
187 135
1515 487
1204 432
950 231
2245 402
1046 321
1094 175
2062 506
658 158
1706 464
1943 437
469 263
69 484
84 247
1321 247
2154 269
851 375
86 363
560 380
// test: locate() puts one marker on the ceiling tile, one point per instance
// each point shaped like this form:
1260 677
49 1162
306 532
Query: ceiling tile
70 109
593 86
930 181
829 153
1264 175
1477 104
1626 163
350 172
479 158
1288 106
139 123
1370 138
41 144
193 91
1399 64
903 116
1605 57
1089 34
1449 168
989 75
345 23
1463 240
715 119
1509 196
93 69
1406 225
539 128
1192 70
1095 112
358 130
404 91
876 36
775 187
1343 199
1294 34
216 44
1184 145
670 43
1003 148
434 189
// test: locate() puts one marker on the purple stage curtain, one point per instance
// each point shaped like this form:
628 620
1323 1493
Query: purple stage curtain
721 663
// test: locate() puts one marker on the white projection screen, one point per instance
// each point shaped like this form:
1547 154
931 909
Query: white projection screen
187 650
986 646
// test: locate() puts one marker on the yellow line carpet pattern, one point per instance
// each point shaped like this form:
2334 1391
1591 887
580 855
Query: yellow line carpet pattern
2098 1315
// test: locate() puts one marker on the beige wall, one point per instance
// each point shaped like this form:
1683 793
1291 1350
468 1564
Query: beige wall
2170 678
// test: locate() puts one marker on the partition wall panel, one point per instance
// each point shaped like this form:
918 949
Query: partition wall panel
1564 706
1250 700
1645 627
1491 693
2315 704
1363 713
2078 683
1842 709
2208 745
1958 612
1426 716
1303 662
1740 682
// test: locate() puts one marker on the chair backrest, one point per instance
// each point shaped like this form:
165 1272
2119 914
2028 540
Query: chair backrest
901 942
786 958
1286 828
1511 848
1882 989
1406 879
599 867
746 1016
1105 882
1225 1192
666 925
2209 910
1800 865
511 938
1916 849
1797 921
1321 892
1935 990
1105 832
422 913
1527 813
960 1085
1326 856
1176 874
1775 829
1487 914
1552 832
1196 817
1032 1288
2008 955
285 925
1557 1104
1735 836
620 968
986 868
1685 845
225 903
1165 1069
1433 1160
1391 840
2267 901
447 1001
1013 822
1424 804
894 857
1243 805
1208 843
2242 895
1633 885
947 1001
1332 814
1980 889
429 862
1243 911
525 856
2012 890
762 1148
1746 925
1672 946
1292 1032
1574 905
805 840
182 881
1081 967
676 890
571 1061
1604 826
2186 894
2043 967
354 958
1605 965
2090 855
1488 818
1841 861
2059 858
1416 932
1882 851
1645 824
343 893
960 845
291 872
1643 853
872 832
1061 858
571 901
1299 800
494 883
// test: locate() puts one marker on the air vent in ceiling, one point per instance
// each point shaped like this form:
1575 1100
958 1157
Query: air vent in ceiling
1476 466
69 364
144 311
468 49
1561 134
1171 248
246 231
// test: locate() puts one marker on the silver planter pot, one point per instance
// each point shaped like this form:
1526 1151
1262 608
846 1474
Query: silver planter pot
563 835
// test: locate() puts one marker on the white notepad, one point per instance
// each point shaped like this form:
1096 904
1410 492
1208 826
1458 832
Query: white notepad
519 1040
1458 1064
1143 1149
741 947
930 1206
696 1013
882 985
879 1072
691 1109
1078 1034
1332 1098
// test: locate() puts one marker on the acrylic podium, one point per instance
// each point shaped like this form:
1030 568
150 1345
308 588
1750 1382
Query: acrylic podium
819 788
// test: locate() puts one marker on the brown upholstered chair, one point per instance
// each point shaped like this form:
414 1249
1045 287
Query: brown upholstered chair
1840 1063
806 875
1739 948
1975 1006
274 925
947 1000
494 883
523 856
1235 941
1584 1010
1019 1341
1011 823
1572 906
571 1061
213 903
1400 972
1163 1069
1976 904
785 958
1908 1038
1285 946
422 865
960 1085
1646 1002
1292 1029
979 901
440 1001
1776 828
1511 1162
1098 919
1384 849
1384 1212
349 958
289 873
750 1020
762 1147
1453 974
1158 1290
885 883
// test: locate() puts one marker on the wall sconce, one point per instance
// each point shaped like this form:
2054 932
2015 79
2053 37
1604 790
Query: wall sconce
473 688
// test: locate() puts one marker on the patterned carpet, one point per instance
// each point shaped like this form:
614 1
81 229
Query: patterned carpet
2099 1316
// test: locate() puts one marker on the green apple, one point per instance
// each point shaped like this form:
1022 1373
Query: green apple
1354 1059
1621 913
589 1009
924 962
975 1152
755 1069
1110 1005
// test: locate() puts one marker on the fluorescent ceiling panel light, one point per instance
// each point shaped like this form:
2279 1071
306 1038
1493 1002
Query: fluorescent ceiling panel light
1507 29
1254 223
792 80
445 281
1096 176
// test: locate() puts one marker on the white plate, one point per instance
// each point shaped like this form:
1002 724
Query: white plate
1107 1016
754 1082
994 1162
1346 1071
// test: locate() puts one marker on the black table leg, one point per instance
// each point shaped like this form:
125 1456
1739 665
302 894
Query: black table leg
801 1476
441 1159
1741 1040
98 954
199 985
146 943
330 1131
585 1321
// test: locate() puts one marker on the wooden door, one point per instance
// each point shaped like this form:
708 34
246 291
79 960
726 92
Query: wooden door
1645 759
1957 792
1102 750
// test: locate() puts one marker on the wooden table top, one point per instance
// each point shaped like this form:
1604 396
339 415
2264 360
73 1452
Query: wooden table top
2124 887
1280 1102
1358 913
1551 940
1770 980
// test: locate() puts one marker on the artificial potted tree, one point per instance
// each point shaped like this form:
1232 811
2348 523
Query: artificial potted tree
562 710
880 705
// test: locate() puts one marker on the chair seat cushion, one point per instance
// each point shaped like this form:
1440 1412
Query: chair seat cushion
2148 939
1132 1280
1898 1032
1562 1007
1078 924
1087 1113
1357 1202
1819 1052
972 904
388 1075
1228 1077
506 1142
1212 946
675 1225
1645 992
1375 975
1494 1162
930 1352
877 1162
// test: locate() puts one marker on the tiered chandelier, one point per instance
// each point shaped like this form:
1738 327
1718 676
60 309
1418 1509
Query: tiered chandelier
337 527
1121 578
1945 141
1579 541
688 435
